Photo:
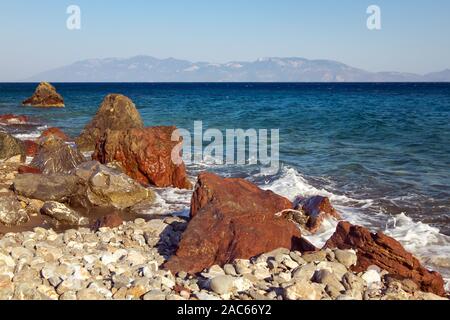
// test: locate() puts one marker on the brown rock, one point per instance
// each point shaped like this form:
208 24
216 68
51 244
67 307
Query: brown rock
232 219
11 147
117 112
385 252
28 169
56 156
145 155
13 119
112 220
316 210
45 96
31 148
55 132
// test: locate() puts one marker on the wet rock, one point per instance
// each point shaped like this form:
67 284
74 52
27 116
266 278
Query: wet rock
385 252
112 220
116 112
10 147
63 214
231 219
54 132
145 155
316 210
56 157
9 119
45 96
11 211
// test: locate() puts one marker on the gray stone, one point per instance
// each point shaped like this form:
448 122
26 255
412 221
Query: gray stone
155 295
303 290
11 212
63 214
347 257
10 146
222 284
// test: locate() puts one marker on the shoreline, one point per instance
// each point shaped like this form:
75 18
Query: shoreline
369 288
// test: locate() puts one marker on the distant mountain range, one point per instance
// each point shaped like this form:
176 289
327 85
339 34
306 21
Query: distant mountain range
150 69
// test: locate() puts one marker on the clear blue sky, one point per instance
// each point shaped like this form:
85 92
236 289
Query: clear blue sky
415 35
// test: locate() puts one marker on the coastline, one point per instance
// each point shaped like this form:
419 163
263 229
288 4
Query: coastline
169 208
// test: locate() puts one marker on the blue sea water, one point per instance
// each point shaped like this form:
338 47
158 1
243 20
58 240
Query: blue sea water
380 151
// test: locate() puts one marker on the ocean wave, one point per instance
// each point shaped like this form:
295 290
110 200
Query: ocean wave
426 242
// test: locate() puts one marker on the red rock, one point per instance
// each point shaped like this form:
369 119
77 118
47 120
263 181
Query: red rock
56 132
109 221
145 155
316 209
28 169
45 96
13 119
232 219
386 253
31 148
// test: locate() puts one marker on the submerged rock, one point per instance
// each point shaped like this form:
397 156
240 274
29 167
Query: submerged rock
57 157
116 112
145 155
232 219
11 212
316 209
63 214
11 147
9 119
386 253
45 96
54 132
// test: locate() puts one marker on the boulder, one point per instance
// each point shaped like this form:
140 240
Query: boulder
60 188
8 119
57 157
112 220
31 148
107 187
386 253
232 219
63 214
28 169
117 112
316 209
88 186
54 132
11 211
45 96
145 155
11 147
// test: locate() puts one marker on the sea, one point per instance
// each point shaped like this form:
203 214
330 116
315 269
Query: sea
379 151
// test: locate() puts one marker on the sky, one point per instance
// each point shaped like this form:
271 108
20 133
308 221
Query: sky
415 34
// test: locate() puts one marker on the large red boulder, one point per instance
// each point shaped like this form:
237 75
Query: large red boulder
145 155
316 209
386 253
232 219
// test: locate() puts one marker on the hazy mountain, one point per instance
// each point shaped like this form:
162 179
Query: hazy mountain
150 69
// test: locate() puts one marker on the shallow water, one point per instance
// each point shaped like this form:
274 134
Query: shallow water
379 151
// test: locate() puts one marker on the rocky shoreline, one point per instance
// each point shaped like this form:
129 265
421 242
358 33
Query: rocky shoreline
70 227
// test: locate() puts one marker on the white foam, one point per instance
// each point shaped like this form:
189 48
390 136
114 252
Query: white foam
424 241
28 136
